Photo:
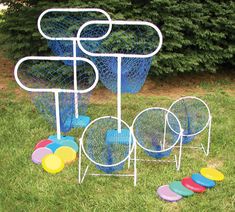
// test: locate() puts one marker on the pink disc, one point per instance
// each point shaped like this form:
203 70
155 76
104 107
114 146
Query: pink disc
42 143
191 185
39 154
167 194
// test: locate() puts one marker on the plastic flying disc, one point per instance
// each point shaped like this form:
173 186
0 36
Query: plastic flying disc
178 188
63 138
71 144
67 154
191 185
167 194
203 181
212 174
42 143
53 146
39 154
52 164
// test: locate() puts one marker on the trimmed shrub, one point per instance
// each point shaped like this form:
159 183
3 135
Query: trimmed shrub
198 35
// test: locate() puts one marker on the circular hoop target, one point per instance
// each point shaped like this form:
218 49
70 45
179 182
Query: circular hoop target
105 146
193 114
152 131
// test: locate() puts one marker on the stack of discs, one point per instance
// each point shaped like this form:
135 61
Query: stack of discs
197 183
53 154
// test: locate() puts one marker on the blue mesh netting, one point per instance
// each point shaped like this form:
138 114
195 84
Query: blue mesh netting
45 103
102 152
149 132
133 75
65 49
66 24
123 39
193 116
55 74
108 157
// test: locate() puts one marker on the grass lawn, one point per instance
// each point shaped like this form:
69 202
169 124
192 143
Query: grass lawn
24 186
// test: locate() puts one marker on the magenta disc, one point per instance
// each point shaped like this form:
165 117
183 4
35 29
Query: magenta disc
167 194
39 154
42 143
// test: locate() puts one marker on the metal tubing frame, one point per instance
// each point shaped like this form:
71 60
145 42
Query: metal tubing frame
177 160
56 91
82 150
118 55
72 39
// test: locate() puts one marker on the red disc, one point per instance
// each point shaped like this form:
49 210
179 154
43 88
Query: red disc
42 143
191 185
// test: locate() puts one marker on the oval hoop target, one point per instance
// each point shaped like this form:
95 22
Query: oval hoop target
134 41
43 76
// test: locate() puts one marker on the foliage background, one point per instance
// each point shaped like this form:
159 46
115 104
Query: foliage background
198 35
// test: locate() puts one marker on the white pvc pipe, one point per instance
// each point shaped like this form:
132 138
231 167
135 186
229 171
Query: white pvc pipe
57 109
209 138
79 161
53 58
75 78
110 23
119 55
119 90
72 10
135 165
164 133
180 150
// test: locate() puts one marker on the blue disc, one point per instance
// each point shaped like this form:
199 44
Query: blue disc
63 138
53 146
203 181
81 121
71 144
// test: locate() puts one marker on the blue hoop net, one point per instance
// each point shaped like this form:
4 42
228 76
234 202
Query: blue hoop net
54 74
134 73
130 39
193 116
149 132
105 148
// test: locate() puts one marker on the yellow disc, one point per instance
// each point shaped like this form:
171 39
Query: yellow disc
212 174
67 154
52 164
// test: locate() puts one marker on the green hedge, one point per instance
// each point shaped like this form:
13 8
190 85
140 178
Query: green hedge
198 35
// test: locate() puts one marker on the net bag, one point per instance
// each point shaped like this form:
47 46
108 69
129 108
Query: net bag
104 146
134 73
65 24
45 104
153 134
45 74
123 40
193 115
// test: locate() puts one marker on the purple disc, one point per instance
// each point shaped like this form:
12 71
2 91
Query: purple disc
40 153
167 194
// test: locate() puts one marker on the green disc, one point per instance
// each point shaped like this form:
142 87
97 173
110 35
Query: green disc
178 188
